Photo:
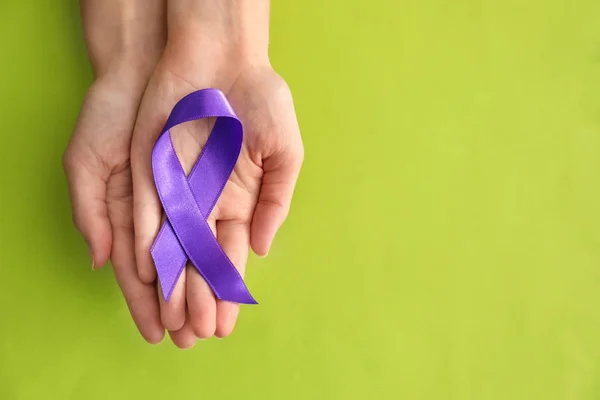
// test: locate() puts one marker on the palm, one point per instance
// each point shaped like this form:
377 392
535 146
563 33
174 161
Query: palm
97 163
255 99
253 203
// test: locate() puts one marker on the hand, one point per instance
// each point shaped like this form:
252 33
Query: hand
256 199
96 161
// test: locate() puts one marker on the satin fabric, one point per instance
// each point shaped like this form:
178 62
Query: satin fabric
187 201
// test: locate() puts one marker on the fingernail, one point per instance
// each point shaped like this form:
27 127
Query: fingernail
93 261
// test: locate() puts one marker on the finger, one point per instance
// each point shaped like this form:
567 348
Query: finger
184 338
141 298
201 300
172 314
201 304
87 190
147 209
234 238
278 182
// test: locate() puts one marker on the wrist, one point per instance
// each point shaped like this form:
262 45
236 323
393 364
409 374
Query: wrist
129 73
222 33
124 35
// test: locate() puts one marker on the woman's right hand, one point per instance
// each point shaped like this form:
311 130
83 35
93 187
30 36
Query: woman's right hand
124 43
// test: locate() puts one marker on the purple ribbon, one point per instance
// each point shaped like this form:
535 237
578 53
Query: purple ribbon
188 201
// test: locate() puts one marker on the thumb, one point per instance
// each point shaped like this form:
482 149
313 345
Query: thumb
279 179
87 190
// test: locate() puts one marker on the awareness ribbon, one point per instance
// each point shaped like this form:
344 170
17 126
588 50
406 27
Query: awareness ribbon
187 201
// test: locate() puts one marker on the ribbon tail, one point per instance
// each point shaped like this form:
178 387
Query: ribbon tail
169 259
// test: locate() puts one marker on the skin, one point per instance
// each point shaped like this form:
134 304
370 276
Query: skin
211 43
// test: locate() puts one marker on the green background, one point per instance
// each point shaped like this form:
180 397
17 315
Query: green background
444 241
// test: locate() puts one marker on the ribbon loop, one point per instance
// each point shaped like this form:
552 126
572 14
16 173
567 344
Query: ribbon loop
187 201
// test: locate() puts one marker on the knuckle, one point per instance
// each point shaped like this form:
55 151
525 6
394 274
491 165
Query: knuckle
285 213
281 207
77 222
281 90
298 155
68 159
